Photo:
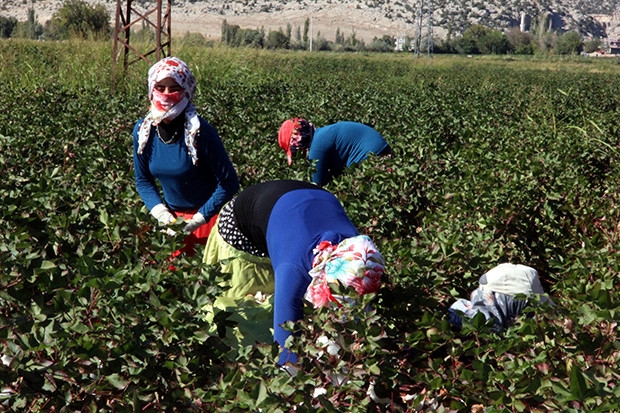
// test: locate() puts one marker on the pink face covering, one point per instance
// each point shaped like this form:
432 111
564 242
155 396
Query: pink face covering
165 101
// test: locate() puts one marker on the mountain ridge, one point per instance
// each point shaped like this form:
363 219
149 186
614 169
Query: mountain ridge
366 19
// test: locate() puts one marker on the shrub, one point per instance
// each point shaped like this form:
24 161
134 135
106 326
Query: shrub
494 162
7 24
78 18
568 43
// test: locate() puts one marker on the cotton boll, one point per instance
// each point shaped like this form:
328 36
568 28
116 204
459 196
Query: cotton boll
319 391
6 360
330 345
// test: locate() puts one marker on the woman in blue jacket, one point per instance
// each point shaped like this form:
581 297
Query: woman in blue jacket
333 147
298 235
178 149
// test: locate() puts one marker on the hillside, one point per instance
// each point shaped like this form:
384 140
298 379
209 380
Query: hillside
366 19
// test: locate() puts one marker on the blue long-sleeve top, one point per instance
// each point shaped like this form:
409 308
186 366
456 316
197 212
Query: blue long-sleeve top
340 145
289 219
186 187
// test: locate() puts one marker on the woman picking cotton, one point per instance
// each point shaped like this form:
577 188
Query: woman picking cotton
503 294
332 147
178 149
297 236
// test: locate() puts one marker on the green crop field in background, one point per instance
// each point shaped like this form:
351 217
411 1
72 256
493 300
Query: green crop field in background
497 159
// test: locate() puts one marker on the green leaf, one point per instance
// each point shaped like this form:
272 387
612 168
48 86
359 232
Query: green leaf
261 393
562 392
103 217
578 385
117 381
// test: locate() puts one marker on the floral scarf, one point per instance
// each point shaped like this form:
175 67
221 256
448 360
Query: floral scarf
175 68
355 262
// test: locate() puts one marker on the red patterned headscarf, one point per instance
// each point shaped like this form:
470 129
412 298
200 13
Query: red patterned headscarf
172 106
175 68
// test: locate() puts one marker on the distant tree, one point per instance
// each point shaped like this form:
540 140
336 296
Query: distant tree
321 43
493 42
444 45
249 38
298 34
541 30
464 45
547 41
30 29
276 40
78 18
487 40
306 30
351 44
7 25
593 45
339 36
568 43
228 32
521 42
479 39
194 39
383 45
408 44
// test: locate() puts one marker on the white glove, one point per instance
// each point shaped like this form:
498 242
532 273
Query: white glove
169 231
162 214
192 225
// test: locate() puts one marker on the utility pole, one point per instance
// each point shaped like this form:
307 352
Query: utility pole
155 18
417 39
429 28
423 15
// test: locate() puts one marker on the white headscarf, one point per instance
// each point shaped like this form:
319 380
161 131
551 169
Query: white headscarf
175 68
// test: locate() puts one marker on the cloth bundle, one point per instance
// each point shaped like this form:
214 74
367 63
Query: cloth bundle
496 294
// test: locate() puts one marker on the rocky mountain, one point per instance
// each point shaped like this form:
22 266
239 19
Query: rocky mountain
590 17
371 18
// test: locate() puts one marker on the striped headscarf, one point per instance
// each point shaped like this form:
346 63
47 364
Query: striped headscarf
175 68
355 262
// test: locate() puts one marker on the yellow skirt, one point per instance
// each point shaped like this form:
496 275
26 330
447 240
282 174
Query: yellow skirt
249 274
250 296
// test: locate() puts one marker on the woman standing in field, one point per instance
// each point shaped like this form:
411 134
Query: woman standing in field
297 235
333 147
183 153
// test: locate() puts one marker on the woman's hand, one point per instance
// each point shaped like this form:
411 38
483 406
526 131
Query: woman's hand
162 214
197 220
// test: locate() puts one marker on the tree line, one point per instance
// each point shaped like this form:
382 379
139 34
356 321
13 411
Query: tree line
477 39
77 18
